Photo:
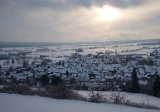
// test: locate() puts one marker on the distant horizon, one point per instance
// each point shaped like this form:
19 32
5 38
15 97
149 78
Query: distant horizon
46 44
154 39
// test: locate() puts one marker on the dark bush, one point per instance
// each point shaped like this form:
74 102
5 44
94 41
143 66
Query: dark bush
19 89
61 92
117 98
95 97
45 80
56 80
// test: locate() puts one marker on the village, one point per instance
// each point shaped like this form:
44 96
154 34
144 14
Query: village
100 71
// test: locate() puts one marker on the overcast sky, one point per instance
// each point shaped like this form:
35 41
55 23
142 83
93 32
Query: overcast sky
76 20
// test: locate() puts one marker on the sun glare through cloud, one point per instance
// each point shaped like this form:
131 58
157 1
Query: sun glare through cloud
109 13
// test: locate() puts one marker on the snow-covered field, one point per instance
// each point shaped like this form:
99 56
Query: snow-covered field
133 97
20 103
57 53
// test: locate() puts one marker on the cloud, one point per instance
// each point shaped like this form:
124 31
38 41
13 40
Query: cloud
68 4
75 20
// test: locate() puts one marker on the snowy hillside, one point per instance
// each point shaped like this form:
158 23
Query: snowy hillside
19 103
